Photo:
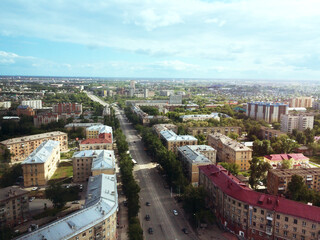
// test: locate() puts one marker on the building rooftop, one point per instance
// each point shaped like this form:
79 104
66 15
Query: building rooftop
41 154
100 128
96 140
194 154
10 192
23 107
101 202
236 189
269 104
169 135
32 137
281 157
105 160
85 125
236 146
297 171
212 115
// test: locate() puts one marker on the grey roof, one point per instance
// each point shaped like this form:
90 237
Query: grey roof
81 125
169 135
41 154
32 137
102 159
10 192
236 146
101 202
193 153
100 128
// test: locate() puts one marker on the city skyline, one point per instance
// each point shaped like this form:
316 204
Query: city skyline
178 39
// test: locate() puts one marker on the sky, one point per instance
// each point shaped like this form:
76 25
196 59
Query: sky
251 39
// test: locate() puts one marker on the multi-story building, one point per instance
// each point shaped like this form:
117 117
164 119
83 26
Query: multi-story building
268 133
194 131
45 118
305 102
92 162
230 151
300 122
21 147
5 105
172 141
200 117
80 125
297 160
278 179
67 110
166 93
35 104
41 164
193 156
99 131
96 144
25 110
157 128
254 215
14 206
175 99
269 112
96 220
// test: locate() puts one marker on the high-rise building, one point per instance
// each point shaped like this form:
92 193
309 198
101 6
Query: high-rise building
269 112
133 84
35 104
305 102
300 122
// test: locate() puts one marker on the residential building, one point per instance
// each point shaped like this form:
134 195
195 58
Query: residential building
45 118
278 179
99 131
297 160
92 162
133 84
175 99
268 133
193 156
230 151
172 141
166 93
299 122
200 117
21 147
80 125
41 164
25 110
269 112
194 131
35 104
5 105
96 220
67 110
14 206
305 102
96 144
106 111
157 128
254 215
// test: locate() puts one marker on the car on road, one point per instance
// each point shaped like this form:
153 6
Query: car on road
31 199
150 230
35 188
175 212
185 230
148 217
148 204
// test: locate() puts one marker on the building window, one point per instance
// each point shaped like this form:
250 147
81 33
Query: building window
277 224
260 233
294 235
253 231
303 238
261 226
294 229
304 223
84 234
254 223
254 210
285 226
295 221
285 233
313 226
303 231
262 212
286 219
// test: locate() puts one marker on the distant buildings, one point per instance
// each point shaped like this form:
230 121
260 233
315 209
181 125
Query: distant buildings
166 93
21 147
175 99
194 131
305 102
193 156
35 104
67 110
200 117
254 215
172 141
41 164
97 219
14 206
45 118
268 133
278 179
92 162
300 122
80 125
297 160
5 105
25 110
269 112
230 151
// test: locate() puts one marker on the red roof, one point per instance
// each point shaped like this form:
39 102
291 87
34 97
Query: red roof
280 157
96 140
231 186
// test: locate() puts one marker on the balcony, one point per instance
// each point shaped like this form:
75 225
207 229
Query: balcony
269 230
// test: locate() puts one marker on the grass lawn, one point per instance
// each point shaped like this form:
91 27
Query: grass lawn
64 170
67 155
315 159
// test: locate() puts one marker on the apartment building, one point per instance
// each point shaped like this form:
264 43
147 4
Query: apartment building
297 160
278 179
299 122
67 110
194 131
172 141
193 156
230 151
92 162
25 110
35 104
21 147
254 215
5 105
97 220
268 133
99 131
96 144
157 128
41 164
14 206
200 117
269 112
80 125
45 118
305 102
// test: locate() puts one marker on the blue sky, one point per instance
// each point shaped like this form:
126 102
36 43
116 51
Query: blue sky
168 38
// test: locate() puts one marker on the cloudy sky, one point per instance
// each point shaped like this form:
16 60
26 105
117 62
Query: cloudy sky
170 38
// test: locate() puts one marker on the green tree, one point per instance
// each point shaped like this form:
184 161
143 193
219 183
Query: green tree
55 193
135 231
286 164
10 175
297 188
231 167
283 144
258 170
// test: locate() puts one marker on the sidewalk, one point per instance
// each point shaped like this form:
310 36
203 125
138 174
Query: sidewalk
122 226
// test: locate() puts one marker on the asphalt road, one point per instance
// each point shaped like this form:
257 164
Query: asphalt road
164 223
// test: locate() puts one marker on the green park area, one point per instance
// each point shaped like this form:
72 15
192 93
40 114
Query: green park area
64 170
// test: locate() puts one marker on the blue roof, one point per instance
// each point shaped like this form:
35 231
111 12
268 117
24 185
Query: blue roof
41 154
170 135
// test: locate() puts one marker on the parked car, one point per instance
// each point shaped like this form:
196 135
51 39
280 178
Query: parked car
35 188
185 230
148 217
150 230
148 204
31 199
175 212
